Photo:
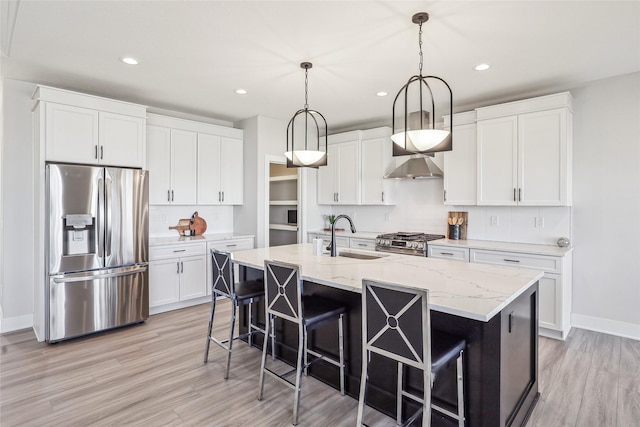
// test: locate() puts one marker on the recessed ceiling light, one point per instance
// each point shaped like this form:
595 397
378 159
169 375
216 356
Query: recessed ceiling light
129 60
382 93
241 91
482 67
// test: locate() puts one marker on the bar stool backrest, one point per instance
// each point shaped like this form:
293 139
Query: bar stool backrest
396 323
222 274
283 290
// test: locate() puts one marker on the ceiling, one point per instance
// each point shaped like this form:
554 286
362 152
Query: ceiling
194 54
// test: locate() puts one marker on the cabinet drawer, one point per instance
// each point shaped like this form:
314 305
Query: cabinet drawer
175 251
536 262
362 244
447 252
231 245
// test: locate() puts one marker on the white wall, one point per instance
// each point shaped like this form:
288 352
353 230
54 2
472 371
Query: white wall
18 206
606 212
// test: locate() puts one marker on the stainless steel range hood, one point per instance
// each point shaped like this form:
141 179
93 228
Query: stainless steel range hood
417 167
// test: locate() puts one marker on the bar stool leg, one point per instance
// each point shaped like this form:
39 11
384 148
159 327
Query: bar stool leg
267 327
306 356
399 394
213 309
250 327
233 324
301 352
460 376
363 387
273 336
341 347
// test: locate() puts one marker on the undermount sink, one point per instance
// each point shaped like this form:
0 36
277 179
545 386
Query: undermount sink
358 255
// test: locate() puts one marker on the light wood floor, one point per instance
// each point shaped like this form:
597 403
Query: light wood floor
153 375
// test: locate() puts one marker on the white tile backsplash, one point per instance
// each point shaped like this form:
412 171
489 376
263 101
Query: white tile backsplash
219 218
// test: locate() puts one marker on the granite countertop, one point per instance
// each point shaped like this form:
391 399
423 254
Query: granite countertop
504 246
348 233
172 240
471 290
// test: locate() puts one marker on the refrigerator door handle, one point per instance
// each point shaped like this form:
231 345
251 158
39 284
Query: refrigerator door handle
100 218
107 222
82 277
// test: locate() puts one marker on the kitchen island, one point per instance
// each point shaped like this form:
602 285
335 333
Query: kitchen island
494 308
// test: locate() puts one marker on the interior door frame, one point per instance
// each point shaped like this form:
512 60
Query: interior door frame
301 196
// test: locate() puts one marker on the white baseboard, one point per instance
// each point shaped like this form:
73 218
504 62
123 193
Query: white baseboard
11 324
607 326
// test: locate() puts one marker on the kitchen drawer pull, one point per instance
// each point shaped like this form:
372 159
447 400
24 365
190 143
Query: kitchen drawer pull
446 253
180 250
362 244
232 246
511 260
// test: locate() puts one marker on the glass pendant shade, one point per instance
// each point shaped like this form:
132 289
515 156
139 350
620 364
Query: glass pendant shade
304 147
416 103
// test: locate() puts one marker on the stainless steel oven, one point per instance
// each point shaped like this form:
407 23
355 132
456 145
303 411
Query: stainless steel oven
408 243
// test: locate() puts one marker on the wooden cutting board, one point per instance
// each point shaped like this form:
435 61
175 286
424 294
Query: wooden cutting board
196 225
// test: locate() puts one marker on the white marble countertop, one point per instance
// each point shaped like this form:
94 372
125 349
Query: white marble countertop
172 240
348 233
475 291
504 246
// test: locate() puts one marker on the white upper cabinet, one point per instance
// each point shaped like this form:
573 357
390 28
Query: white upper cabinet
376 161
171 160
220 171
356 164
338 182
86 129
524 152
194 163
460 163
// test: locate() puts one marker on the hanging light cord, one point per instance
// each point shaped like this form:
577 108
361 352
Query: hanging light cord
420 46
306 88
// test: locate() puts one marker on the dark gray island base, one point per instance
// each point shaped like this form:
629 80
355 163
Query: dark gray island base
501 384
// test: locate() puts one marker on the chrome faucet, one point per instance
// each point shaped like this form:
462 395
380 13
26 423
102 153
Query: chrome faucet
333 245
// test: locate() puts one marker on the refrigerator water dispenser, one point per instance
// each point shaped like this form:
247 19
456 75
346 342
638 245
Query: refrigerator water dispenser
79 234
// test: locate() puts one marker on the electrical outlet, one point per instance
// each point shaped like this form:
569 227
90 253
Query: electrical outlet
387 217
540 221
164 219
494 220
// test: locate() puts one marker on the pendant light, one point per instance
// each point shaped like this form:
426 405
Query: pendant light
309 154
419 135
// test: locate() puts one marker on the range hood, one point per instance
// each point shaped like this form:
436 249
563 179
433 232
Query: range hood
417 167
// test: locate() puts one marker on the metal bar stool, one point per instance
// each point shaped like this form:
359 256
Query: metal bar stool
283 288
396 324
241 293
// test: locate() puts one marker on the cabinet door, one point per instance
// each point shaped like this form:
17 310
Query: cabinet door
550 296
71 134
164 282
193 277
348 179
121 140
542 158
327 177
460 167
497 161
159 164
209 169
184 148
231 171
376 162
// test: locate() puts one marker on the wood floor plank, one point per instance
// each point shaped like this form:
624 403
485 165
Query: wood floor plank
153 375
628 408
599 405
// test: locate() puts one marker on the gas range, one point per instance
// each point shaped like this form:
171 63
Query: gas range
405 242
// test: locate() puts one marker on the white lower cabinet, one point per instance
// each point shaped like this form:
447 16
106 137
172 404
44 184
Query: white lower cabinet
554 289
448 252
239 244
177 273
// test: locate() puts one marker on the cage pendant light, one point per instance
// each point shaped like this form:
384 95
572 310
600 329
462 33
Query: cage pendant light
417 133
309 154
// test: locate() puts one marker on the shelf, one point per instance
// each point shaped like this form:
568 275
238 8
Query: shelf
283 178
283 202
283 227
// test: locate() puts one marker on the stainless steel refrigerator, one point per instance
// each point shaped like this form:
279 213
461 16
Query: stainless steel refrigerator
97 249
